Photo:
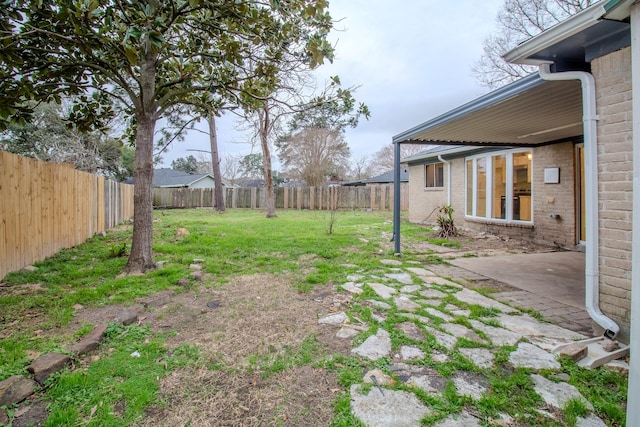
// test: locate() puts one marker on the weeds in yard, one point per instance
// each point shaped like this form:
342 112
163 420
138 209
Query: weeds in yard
116 386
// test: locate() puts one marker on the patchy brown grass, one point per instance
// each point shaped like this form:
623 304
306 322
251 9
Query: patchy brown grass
250 318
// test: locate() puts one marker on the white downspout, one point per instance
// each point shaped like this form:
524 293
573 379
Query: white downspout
448 178
589 118
633 391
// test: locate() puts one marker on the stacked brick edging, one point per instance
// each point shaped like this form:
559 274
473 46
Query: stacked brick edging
18 388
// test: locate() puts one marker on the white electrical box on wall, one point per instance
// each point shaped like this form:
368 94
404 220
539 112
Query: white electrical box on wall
552 175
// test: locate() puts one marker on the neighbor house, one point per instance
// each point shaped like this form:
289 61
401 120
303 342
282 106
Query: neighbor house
171 178
550 156
382 179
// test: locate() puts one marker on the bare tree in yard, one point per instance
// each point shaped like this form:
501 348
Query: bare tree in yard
231 169
383 160
360 168
517 21
314 154
149 59
294 95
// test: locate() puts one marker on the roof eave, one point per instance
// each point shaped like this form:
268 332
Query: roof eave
489 99
612 9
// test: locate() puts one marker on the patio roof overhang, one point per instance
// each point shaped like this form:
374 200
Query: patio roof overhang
528 112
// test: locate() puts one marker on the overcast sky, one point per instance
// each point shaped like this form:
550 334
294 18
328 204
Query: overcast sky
411 59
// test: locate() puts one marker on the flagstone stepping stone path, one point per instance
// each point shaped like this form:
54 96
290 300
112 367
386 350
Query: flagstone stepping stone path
436 318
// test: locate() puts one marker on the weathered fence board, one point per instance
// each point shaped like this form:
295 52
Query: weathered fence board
375 197
45 207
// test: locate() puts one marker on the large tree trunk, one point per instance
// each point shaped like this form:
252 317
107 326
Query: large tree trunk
141 256
270 201
218 196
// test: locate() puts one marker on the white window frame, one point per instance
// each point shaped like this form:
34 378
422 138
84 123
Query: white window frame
489 186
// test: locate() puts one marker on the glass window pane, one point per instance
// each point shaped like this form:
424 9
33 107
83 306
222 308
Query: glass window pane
522 186
470 187
499 203
439 175
430 175
481 196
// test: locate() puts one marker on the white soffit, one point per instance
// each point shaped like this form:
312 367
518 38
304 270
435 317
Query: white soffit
547 112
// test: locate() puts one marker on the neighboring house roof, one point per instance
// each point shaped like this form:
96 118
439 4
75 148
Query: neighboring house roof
251 182
166 177
385 178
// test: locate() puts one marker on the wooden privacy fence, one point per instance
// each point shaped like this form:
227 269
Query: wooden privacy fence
375 197
45 207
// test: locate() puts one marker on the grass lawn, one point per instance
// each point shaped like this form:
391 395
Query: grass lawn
258 359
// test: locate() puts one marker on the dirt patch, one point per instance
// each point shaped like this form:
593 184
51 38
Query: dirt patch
298 396
235 326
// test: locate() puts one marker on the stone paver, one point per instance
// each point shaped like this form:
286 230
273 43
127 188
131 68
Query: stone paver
393 262
409 289
590 421
462 331
507 326
471 297
421 272
335 319
411 353
354 288
404 278
481 357
557 394
498 336
375 347
463 419
437 313
411 330
403 302
379 304
470 384
530 356
383 291
443 339
394 408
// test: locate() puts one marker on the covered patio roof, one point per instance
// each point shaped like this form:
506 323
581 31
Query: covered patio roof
528 112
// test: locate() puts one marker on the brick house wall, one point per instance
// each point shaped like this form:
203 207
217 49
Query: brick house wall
547 199
550 199
615 173
424 202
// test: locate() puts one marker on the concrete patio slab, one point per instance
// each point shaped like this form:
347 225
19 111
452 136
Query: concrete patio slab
558 276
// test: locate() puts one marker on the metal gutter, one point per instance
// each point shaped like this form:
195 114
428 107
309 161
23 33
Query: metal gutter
456 150
590 119
492 98
573 25
611 9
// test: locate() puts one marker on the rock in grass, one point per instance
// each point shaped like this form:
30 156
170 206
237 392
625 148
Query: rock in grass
15 389
90 342
126 317
47 364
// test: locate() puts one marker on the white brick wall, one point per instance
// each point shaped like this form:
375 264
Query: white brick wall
615 168
424 202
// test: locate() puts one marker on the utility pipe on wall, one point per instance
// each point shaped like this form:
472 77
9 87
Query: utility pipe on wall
589 118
